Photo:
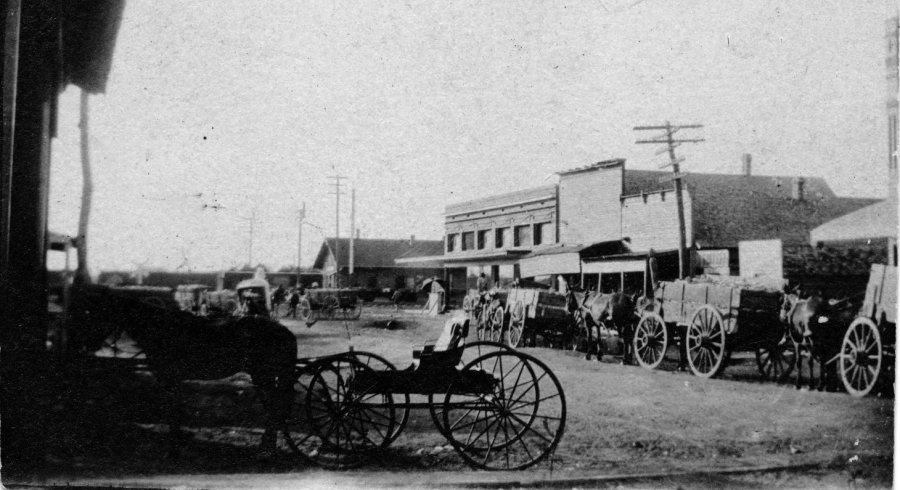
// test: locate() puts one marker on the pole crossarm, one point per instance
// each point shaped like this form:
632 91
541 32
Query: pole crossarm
666 141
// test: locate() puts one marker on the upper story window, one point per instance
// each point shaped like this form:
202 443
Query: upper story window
543 233
482 239
522 236
502 237
451 242
468 240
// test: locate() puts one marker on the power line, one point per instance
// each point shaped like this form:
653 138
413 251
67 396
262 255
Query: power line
668 139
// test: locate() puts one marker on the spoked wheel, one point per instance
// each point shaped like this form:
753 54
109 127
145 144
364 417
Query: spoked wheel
495 324
471 352
516 324
296 429
352 312
706 342
306 312
478 318
505 411
401 400
348 419
776 360
651 340
329 308
859 362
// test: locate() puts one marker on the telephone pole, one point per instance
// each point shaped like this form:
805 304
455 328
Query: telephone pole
337 227
302 216
668 139
252 220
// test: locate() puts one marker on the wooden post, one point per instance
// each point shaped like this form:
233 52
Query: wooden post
82 273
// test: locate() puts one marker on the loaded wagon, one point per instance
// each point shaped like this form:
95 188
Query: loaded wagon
708 321
329 304
868 346
535 312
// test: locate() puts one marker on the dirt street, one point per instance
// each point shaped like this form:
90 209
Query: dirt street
622 420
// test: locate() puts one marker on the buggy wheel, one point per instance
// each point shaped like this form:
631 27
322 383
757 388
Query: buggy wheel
470 353
516 324
329 308
347 417
401 400
859 362
296 429
775 361
306 312
706 342
505 411
495 324
353 312
651 340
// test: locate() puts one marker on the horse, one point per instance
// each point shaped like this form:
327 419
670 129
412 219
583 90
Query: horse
818 327
618 310
180 346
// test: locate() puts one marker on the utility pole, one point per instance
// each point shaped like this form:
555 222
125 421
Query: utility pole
668 139
337 227
302 216
352 226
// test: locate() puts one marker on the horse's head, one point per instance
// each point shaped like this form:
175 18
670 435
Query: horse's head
788 302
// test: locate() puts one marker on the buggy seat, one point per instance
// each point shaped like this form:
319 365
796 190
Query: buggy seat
434 370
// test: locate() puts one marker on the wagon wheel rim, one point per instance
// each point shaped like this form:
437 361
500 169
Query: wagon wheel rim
353 312
296 428
495 325
478 319
860 359
400 400
348 420
651 340
516 324
470 352
775 362
706 342
515 424
330 306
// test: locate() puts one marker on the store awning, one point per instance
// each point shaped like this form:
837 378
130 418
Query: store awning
614 266
543 265
481 258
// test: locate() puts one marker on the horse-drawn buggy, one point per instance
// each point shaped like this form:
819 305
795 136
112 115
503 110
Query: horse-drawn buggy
329 304
254 298
499 409
868 346
708 321
534 312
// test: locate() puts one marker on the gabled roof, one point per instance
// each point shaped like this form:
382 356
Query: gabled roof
729 208
377 252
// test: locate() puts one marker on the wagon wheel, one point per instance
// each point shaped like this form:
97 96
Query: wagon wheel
706 342
471 352
505 411
478 320
776 360
859 362
347 418
467 305
651 340
329 308
401 400
353 312
304 309
516 324
494 325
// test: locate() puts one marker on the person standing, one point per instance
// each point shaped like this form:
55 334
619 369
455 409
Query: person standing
293 302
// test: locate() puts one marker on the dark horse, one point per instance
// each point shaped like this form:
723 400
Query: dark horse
816 327
180 346
614 310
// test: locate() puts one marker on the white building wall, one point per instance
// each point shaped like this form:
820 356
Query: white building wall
651 221
589 207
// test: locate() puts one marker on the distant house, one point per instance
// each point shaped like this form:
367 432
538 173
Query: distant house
374 262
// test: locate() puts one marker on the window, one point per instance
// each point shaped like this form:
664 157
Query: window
482 239
542 233
451 242
522 236
502 238
468 240
495 275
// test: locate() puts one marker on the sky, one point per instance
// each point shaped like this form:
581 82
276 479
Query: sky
219 115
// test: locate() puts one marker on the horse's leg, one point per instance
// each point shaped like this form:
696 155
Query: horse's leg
173 413
627 338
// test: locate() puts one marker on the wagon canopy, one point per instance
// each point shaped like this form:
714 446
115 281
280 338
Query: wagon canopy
567 259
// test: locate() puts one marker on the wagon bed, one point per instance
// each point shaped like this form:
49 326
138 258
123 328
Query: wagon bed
330 304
